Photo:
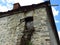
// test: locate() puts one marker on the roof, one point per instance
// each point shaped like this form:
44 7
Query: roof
24 9
32 7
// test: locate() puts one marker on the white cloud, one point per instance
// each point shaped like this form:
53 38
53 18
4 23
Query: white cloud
9 6
27 2
3 8
59 34
8 1
3 1
57 21
6 7
55 12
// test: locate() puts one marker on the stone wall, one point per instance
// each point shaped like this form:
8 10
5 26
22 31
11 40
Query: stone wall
41 35
11 28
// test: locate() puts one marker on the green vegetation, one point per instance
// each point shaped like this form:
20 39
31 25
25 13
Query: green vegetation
29 43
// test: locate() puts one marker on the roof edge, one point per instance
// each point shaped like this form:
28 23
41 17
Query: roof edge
24 8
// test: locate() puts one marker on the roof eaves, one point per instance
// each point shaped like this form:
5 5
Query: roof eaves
24 9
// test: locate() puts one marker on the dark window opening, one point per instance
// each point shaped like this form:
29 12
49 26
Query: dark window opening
28 31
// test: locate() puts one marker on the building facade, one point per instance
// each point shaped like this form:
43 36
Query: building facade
28 24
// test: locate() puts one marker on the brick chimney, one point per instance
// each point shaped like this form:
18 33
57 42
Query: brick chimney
16 6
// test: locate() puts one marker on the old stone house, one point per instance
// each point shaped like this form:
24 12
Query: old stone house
24 25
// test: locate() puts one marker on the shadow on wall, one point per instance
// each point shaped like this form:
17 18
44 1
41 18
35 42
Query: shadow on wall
28 31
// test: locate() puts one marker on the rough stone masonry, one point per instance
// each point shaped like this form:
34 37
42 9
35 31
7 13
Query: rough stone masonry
11 32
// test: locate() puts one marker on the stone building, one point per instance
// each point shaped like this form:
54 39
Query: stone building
33 24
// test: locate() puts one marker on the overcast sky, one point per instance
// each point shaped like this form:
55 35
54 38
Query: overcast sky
6 5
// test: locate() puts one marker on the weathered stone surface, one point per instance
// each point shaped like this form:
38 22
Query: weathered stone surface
41 27
11 29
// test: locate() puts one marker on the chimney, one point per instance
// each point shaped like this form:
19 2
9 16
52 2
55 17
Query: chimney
16 6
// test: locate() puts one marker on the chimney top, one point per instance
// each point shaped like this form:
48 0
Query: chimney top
16 6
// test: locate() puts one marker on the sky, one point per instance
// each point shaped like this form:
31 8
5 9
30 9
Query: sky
56 12
6 5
